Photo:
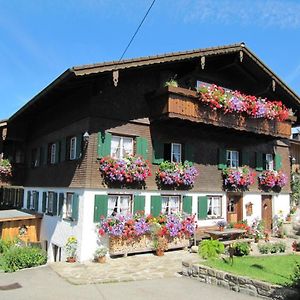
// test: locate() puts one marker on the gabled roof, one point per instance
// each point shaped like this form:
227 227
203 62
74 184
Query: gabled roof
85 70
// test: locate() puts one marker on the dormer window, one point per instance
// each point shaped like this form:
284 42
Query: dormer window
121 146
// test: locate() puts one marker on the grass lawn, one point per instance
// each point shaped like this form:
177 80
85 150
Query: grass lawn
274 269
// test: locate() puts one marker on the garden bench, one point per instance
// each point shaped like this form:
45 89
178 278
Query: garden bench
201 235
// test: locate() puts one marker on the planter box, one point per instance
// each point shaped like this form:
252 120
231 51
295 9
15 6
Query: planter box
144 243
175 102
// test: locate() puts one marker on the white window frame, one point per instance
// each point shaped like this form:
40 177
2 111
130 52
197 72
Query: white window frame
269 163
50 207
72 153
31 204
231 162
68 204
121 147
180 152
116 209
166 208
211 206
53 154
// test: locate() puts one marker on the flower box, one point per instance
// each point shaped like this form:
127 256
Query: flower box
270 179
238 179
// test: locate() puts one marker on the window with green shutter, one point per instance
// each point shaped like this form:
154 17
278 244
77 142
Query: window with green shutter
28 204
139 203
259 158
36 200
63 145
158 153
104 144
142 147
44 202
100 207
156 205
189 152
222 162
54 204
75 207
202 207
187 204
60 204
245 158
278 162
57 152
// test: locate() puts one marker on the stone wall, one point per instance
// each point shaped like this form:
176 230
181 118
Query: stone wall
237 283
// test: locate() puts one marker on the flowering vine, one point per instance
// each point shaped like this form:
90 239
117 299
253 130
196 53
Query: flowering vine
234 101
239 178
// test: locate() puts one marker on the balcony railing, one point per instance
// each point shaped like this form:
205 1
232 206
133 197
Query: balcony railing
175 102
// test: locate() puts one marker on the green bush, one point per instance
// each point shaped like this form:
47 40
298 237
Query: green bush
241 248
16 258
264 248
281 247
7 244
210 249
273 248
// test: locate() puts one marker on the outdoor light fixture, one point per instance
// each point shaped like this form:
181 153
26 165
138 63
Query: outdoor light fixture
86 137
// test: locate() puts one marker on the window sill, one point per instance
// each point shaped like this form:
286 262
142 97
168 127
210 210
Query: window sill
68 219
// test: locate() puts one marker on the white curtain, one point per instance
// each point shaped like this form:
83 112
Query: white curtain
115 146
127 147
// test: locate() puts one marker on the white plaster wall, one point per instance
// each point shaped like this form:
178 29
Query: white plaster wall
281 202
255 199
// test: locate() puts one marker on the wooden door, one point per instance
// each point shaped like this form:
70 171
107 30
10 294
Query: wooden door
234 208
266 211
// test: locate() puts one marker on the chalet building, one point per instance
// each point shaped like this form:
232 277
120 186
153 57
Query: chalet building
56 142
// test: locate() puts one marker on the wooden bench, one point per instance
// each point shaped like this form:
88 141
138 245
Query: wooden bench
201 235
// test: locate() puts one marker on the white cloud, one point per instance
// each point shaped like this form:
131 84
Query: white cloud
268 13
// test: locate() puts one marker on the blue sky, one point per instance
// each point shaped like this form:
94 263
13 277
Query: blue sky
40 38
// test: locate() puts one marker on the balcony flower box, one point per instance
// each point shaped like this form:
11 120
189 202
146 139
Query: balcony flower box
270 179
5 170
238 179
176 175
129 170
137 233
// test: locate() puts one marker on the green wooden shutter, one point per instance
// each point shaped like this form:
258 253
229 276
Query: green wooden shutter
259 161
44 202
278 162
78 146
142 147
156 205
63 145
189 152
75 207
202 207
100 207
245 158
222 163
28 199
139 203
36 201
104 144
60 204
54 204
158 153
57 152
187 204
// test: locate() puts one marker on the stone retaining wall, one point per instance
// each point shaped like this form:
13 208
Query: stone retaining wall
237 283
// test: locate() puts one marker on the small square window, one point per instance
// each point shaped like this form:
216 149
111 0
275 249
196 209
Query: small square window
269 162
176 152
50 206
121 146
72 153
119 205
68 206
232 158
53 154
170 204
214 207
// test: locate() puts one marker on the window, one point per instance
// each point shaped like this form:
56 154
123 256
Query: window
170 204
214 206
72 152
232 158
176 152
68 206
121 146
50 206
119 204
269 162
35 158
34 200
52 153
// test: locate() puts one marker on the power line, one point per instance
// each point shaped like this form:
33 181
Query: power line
137 30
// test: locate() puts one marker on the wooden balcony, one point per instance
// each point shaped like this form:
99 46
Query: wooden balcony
175 102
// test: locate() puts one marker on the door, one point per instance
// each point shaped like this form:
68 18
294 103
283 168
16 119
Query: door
266 211
234 208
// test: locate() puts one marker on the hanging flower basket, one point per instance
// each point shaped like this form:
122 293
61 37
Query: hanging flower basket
5 170
129 170
236 102
176 175
272 180
238 179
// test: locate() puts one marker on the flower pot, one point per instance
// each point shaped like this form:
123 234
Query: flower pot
71 259
256 239
101 259
221 228
160 252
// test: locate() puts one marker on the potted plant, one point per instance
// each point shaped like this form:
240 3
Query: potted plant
71 249
221 224
100 254
160 244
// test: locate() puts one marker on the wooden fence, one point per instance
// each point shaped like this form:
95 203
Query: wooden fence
11 197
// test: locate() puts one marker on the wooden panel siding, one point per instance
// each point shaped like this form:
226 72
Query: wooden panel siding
173 102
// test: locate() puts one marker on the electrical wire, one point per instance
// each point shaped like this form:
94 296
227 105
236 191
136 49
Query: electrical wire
137 30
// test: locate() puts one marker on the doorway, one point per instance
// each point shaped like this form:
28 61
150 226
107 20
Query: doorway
234 208
266 211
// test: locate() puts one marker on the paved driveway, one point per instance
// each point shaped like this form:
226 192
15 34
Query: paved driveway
44 283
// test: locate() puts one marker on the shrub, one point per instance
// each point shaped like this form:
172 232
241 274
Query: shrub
16 258
273 248
281 247
241 249
264 248
210 249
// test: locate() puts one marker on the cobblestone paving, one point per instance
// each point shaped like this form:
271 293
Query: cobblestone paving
131 268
